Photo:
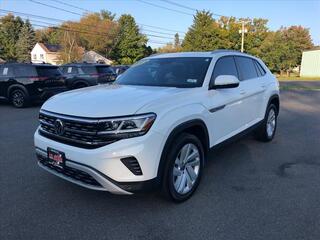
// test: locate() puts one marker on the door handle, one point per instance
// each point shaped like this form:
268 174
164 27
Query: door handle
242 92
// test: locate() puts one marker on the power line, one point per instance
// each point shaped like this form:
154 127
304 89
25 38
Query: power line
189 8
179 5
70 5
61 9
68 29
61 21
51 6
169 9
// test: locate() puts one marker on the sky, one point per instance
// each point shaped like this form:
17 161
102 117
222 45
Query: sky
166 18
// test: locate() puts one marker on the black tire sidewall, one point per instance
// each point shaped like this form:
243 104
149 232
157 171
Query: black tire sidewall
180 141
24 98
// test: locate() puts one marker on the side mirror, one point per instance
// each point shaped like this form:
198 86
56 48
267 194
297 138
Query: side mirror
225 81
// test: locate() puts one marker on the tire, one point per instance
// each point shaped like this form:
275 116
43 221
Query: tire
267 130
19 98
181 180
79 85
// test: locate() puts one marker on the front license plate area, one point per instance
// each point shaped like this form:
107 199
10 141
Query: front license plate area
56 157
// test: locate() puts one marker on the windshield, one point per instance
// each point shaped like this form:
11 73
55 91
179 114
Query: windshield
167 72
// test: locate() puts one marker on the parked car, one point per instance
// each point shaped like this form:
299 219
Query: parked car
22 83
154 126
119 69
81 75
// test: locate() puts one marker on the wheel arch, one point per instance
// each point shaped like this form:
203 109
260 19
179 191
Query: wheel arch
196 127
274 99
16 86
80 81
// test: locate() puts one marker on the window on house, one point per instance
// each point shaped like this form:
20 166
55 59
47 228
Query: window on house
41 56
34 56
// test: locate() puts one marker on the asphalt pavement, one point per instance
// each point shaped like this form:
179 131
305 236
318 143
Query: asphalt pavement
250 190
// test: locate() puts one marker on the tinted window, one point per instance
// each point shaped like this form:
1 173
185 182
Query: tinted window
260 69
6 71
24 71
68 70
170 72
48 71
105 69
88 70
224 66
246 68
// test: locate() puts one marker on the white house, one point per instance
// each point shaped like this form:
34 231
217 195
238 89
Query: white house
310 63
47 53
93 57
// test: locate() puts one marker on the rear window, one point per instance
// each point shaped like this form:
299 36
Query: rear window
246 67
88 70
48 71
260 69
105 69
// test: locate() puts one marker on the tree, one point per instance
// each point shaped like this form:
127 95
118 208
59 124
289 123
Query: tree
282 50
99 31
25 42
70 50
131 44
48 35
10 28
177 41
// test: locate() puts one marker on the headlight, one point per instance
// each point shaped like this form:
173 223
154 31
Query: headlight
126 127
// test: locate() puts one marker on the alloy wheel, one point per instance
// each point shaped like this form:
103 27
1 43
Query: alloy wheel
271 122
186 168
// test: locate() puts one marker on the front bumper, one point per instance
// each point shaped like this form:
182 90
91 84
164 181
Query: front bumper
102 168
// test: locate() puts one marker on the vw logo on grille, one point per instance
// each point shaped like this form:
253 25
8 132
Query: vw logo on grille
59 127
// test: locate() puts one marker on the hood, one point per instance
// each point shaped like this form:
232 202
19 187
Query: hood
106 100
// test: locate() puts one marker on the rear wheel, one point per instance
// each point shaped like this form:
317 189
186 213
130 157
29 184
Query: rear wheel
184 164
268 127
19 98
79 85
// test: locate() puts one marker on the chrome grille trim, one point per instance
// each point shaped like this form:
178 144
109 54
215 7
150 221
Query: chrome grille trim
78 132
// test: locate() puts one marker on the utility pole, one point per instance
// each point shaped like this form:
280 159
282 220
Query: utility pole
242 31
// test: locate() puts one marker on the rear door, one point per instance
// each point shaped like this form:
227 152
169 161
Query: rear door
49 76
251 88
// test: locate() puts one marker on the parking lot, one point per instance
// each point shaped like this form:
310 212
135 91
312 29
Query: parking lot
250 190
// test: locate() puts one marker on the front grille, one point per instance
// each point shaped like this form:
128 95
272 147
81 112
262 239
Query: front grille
70 172
76 131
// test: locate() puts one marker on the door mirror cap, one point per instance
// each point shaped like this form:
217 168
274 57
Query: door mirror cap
225 81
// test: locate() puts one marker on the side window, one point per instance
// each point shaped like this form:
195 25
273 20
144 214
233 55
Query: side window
246 68
24 71
224 66
260 69
6 71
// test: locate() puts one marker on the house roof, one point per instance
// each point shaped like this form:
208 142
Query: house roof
50 47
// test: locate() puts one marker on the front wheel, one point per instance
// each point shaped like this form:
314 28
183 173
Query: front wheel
267 130
184 165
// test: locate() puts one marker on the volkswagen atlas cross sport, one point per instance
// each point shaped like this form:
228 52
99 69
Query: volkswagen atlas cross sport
153 127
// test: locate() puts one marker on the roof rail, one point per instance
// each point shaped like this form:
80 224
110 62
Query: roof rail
225 50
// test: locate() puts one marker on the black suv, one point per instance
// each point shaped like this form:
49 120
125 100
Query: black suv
79 75
119 69
22 83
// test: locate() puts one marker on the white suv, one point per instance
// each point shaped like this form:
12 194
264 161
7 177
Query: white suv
154 126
